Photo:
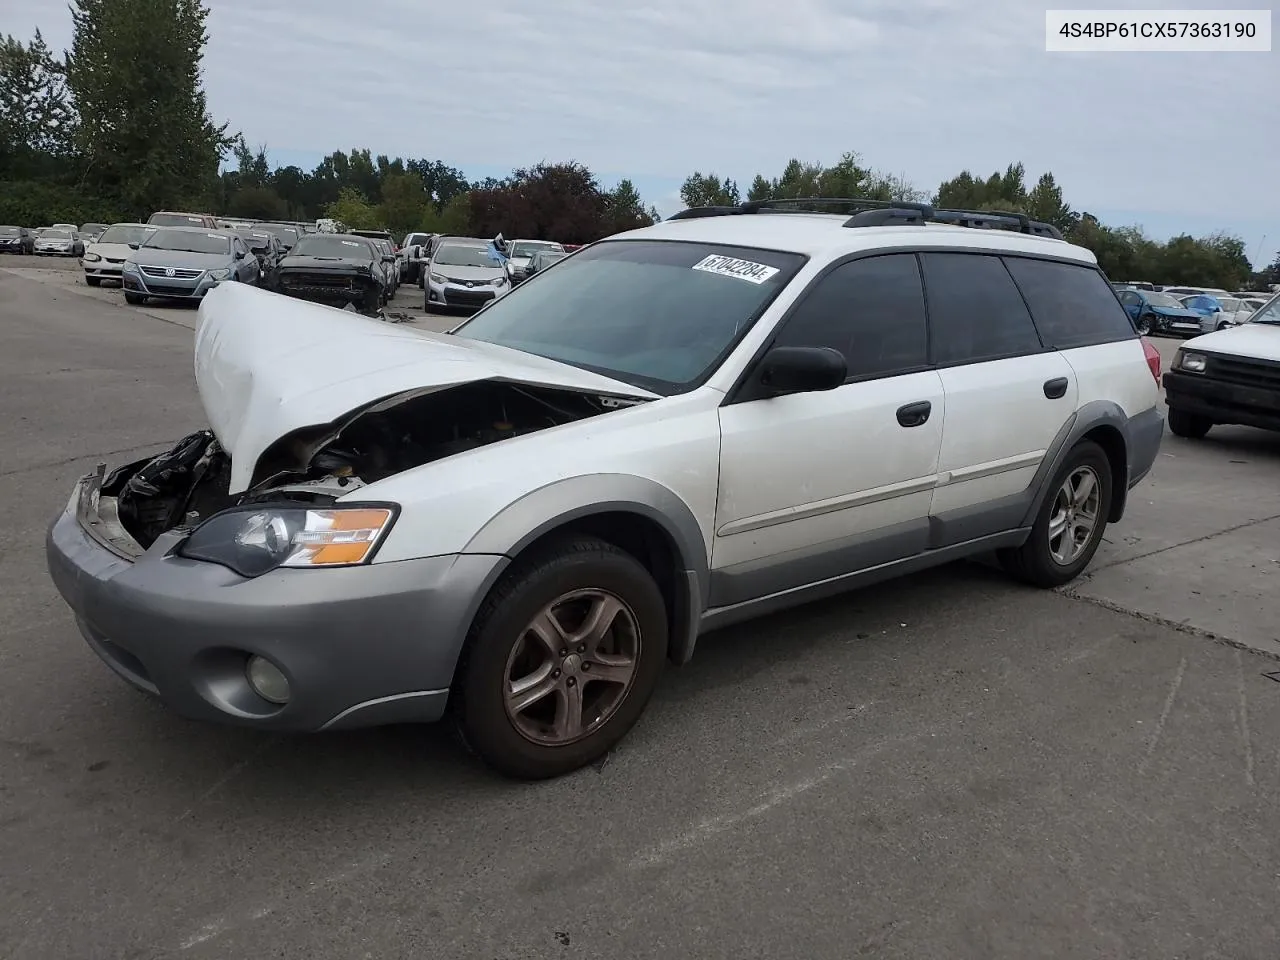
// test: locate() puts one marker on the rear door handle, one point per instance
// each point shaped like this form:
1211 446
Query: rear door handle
914 414
1056 388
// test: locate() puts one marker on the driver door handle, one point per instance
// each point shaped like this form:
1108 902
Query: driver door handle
914 414
1056 388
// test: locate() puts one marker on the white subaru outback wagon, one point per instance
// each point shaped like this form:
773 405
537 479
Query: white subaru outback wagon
518 523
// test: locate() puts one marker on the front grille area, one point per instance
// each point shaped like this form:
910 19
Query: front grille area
1246 373
162 273
321 281
169 290
468 298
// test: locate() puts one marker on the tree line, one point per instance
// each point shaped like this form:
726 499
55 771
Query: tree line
118 126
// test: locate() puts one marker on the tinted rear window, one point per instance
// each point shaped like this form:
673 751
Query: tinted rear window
975 311
1072 305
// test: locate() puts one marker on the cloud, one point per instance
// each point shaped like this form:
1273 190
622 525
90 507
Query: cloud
654 89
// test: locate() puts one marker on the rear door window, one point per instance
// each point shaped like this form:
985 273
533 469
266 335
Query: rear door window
1072 305
975 311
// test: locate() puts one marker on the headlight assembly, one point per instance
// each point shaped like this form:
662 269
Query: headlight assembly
220 274
92 257
1189 362
437 278
258 539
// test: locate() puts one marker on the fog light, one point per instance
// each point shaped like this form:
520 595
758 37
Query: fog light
267 680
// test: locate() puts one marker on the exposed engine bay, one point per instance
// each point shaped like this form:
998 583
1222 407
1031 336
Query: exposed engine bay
190 482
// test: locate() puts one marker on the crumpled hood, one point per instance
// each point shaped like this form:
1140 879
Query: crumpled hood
1176 312
1260 341
268 365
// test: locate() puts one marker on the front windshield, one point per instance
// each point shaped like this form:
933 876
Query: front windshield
1164 300
658 314
256 241
58 234
1202 302
122 234
465 255
188 241
9 231
527 248
93 228
331 247
1269 313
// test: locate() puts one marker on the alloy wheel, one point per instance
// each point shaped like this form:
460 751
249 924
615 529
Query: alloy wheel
571 667
1075 515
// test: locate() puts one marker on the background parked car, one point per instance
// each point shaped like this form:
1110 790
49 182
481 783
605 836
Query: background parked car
1159 312
543 259
286 233
411 257
59 242
464 273
185 263
171 218
519 252
336 269
17 240
105 259
391 268
269 252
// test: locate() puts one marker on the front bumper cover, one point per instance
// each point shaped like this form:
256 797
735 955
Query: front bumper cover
360 646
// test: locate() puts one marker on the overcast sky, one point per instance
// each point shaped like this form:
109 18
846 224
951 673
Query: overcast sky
654 89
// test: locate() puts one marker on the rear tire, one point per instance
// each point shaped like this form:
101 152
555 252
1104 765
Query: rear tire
93 281
565 585
1060 546
1192 426
130 297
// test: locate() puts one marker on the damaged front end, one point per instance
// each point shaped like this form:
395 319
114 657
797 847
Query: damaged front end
133 506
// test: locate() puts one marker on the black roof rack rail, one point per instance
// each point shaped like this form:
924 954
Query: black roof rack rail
879 213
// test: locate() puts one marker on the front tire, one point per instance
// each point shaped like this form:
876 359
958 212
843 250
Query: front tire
1144 325
1192 426
93 281
133 298
1069 527
561 659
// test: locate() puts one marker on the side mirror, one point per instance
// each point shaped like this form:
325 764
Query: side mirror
388 258
802 370
239 254
133 246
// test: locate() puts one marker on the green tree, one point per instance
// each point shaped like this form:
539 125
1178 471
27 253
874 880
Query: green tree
257 203
761 188
624 210
405 202
1045 203
36 118
354 210
455 219
145 133
709 191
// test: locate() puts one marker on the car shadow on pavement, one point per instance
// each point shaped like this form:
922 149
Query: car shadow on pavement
288 776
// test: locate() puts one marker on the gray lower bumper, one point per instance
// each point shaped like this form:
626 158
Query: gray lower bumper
361 646
1145 432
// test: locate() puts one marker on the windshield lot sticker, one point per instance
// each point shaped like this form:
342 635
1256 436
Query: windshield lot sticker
740 269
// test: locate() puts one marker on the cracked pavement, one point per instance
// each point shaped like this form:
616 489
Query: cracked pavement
947 765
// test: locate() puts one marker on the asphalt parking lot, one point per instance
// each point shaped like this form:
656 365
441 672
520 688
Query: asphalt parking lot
946 766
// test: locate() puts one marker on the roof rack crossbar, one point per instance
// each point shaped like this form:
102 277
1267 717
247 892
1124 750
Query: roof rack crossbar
877 213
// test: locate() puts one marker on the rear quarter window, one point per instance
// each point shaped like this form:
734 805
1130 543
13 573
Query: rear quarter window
1072 305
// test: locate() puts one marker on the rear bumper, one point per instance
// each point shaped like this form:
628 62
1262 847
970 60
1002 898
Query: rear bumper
1225 403
1145 433
360 646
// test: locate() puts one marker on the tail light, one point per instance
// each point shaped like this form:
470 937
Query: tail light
1153 358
